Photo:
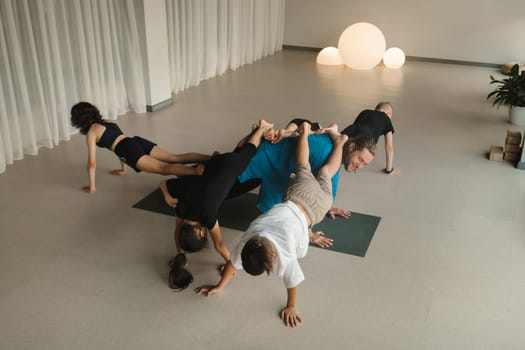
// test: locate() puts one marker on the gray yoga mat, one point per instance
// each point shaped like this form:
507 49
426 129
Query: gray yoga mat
351 236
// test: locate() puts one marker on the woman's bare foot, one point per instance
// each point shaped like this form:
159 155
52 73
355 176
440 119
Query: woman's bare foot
265 126
200 168
271 135
170 201
284 133
304 128
340 139
331 128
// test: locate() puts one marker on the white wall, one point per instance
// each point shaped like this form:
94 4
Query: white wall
157 74
487 31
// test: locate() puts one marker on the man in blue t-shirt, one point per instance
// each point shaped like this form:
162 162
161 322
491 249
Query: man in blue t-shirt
272 165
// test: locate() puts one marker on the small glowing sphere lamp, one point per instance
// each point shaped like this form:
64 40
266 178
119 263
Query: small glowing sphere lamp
329 56
394 57
361 46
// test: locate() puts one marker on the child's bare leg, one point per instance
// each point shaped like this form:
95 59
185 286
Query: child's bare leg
302 154
334 160
168 198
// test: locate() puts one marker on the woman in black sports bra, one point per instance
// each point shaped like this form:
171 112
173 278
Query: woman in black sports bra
137 152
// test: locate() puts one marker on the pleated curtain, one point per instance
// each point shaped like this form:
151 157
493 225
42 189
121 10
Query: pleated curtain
54 53
208 37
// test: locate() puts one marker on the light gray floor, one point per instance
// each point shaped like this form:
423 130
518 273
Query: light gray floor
445 269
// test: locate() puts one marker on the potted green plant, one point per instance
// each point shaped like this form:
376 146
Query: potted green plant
511 92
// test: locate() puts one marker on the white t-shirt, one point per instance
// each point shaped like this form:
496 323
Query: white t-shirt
286 227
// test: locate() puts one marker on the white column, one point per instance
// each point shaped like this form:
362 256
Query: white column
157 75
521 163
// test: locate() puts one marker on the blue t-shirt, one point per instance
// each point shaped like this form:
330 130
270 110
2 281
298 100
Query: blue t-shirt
273 164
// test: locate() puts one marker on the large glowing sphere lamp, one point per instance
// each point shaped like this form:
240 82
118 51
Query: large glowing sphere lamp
394 57
329 56
361 46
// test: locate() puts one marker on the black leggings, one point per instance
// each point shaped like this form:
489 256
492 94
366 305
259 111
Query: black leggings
244 187
231 164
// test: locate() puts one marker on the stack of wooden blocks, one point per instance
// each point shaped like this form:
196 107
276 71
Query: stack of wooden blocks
512 149
512 146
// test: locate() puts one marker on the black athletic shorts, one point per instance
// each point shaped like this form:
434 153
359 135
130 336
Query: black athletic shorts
131 149
299 121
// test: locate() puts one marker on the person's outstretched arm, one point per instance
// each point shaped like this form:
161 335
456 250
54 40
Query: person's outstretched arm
289 314
227 274
176 234
389 152
320 239
91 162
119 172
333 212
215 233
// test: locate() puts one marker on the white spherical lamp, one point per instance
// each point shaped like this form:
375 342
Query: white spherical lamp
329 56
361 46
394 57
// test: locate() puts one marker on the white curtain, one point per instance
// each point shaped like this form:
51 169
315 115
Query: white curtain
207 37
54 53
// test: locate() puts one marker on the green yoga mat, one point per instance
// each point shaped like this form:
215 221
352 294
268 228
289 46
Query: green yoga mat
351 236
